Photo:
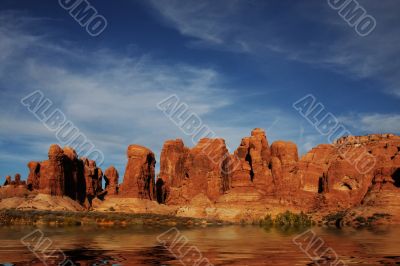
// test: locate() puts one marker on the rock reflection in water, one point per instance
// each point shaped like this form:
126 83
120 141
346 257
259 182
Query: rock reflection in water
230 245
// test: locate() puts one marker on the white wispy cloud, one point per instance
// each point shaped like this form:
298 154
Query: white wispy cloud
111 97
224 25
378 123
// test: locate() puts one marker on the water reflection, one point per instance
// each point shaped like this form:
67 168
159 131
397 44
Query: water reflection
229 245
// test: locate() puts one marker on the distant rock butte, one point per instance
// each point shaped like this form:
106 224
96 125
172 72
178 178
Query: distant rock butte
351 172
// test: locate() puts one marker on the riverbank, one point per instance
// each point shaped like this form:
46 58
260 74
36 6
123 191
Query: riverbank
69 218
121 219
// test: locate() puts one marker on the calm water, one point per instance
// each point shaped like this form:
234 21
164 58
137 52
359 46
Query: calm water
228 245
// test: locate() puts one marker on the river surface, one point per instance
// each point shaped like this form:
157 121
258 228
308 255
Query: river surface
224 245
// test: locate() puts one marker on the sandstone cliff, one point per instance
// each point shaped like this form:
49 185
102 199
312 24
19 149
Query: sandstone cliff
360 173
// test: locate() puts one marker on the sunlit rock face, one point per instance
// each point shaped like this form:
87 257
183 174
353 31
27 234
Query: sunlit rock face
252 161
365 171
185 173
52 174
347 173
111 178
34 175
139 178
172 170
351 172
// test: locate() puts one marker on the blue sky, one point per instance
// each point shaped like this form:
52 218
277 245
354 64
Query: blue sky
237 64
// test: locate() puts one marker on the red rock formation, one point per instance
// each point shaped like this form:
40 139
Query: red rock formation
34 175
185 173
340 173
313 165
111 178
93 179
172 162
75 183
351 172
172 172
284 165
254 157
206 169
8 181
52 172
99 181
162 190
139 175
18 181
366 171
64 174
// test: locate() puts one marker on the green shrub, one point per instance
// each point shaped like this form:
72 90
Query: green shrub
333 217
292 219
361 220
287 219
267 220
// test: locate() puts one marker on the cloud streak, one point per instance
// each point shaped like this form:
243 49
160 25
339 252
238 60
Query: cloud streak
331 44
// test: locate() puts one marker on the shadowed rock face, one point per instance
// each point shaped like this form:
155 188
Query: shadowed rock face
64 174
93 179
111 178
75 185
139 175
